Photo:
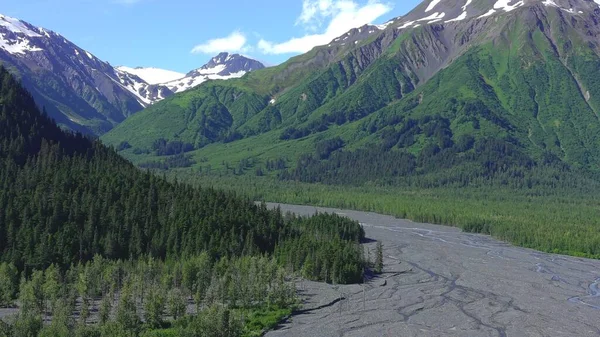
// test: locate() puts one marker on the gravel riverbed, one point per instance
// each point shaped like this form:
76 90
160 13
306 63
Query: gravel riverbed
440 281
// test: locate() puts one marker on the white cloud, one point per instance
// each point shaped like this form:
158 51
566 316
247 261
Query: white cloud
342 15
235 42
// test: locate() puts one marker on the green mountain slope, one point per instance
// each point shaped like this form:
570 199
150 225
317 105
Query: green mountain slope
452 91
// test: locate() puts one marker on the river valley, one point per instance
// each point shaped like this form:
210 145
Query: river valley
440 281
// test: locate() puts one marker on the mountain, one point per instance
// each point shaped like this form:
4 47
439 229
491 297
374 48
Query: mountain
152 75
84 93
469 90
78 90
221 67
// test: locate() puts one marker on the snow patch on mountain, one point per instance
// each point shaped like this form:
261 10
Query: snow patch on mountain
136 87
17 37
457 10
17 26
189 82
19 46
153 75
432 5
221 67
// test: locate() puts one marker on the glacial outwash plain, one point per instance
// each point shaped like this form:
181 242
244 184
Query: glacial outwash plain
440 281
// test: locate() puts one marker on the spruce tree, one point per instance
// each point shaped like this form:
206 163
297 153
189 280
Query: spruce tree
379 258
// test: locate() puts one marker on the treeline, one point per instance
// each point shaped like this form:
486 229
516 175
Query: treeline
66 205
441 162
163 147
180 160
321 251
563 219
197 296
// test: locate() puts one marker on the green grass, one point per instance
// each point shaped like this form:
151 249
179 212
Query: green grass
170 332
264 319
256 322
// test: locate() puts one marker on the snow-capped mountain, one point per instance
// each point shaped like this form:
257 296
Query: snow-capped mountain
145 92
455 11
521 74
153 75
221 67
84 93
450 28
448 11
76 88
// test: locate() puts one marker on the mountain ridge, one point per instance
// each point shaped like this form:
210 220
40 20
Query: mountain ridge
372 88
77 89
224 66
152 75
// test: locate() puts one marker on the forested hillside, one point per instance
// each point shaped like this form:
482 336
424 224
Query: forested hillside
489 122
66 201
521 80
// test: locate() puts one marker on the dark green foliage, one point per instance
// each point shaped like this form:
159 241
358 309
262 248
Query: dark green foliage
61 321
180 160
352 167
210 113
77 201
137 150
176 303
124 145
324 148
72 213
226 291
215 322
276 165
323 252
105 308
293 133
162 147
126 316
440 163
9 283
26 325
378 258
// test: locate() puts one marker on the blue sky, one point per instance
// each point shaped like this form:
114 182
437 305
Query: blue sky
182 35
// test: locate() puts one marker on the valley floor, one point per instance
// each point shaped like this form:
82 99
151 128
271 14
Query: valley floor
440 281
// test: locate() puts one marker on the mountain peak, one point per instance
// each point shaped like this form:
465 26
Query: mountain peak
57 71
232 63
19 37
222 57
221 67
18 26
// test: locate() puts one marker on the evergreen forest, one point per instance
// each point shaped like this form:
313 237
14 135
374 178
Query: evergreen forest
90 245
